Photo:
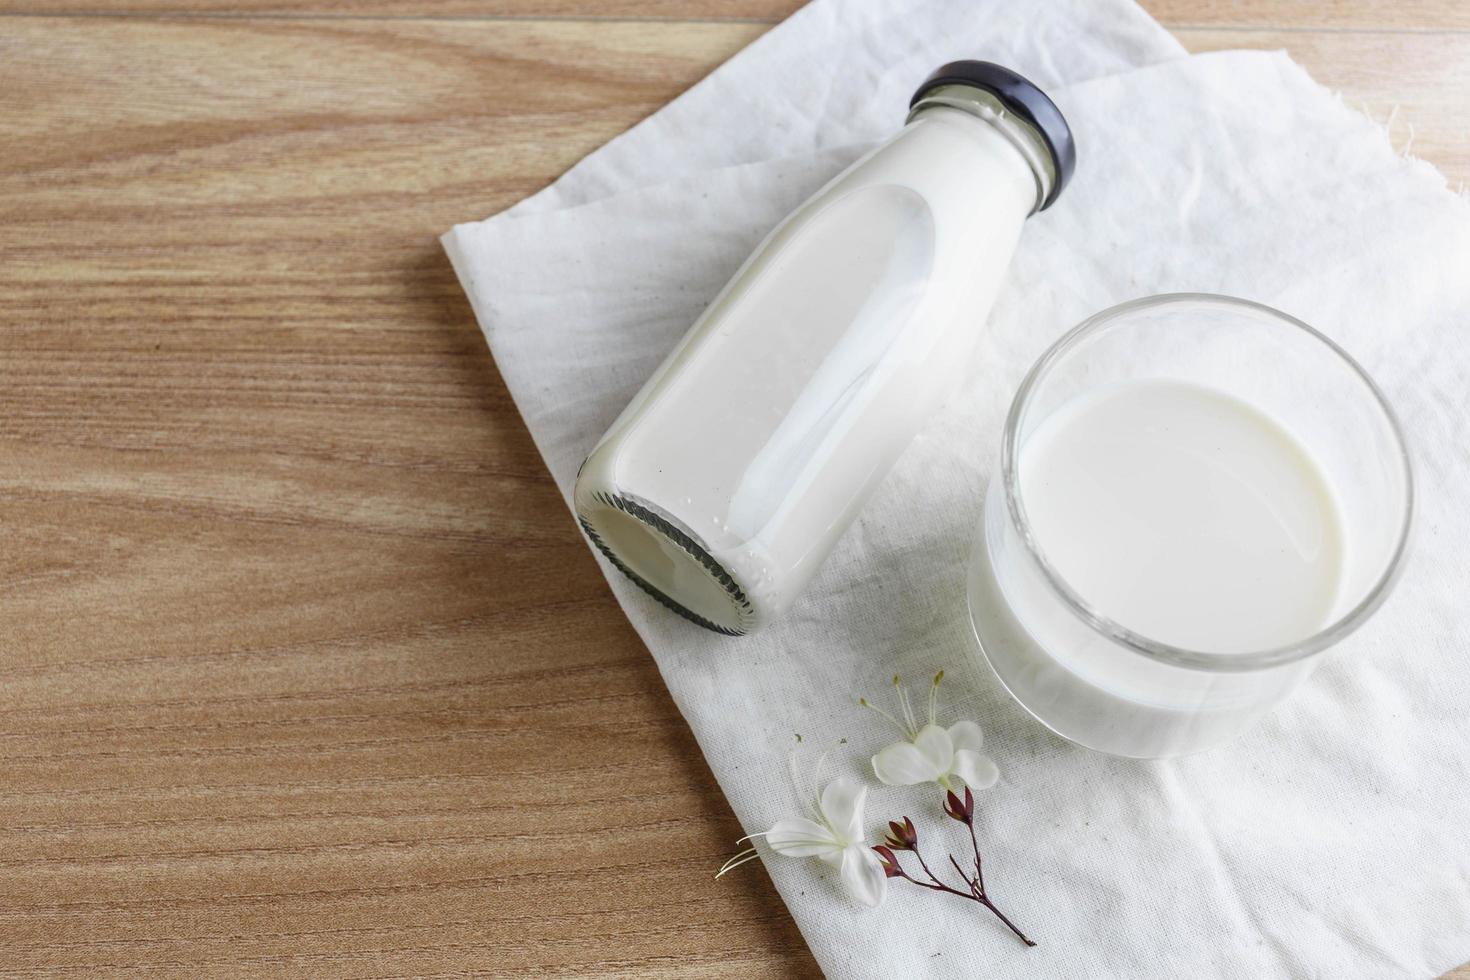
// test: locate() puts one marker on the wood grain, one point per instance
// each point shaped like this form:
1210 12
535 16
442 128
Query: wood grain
1410 15
305 669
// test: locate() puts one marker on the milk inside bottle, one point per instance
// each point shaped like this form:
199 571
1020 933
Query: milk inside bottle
730 476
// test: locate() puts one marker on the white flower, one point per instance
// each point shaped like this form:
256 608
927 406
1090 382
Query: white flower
932 754
835 836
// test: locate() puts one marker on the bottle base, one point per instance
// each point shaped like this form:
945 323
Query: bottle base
666 562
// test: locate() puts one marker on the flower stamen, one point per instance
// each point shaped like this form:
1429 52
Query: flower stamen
884 715
905 706
933 692
744 857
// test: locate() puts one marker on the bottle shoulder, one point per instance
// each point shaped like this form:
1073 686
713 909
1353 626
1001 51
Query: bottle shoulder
952 160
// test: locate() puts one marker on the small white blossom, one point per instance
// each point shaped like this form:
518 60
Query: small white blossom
835 836
931 754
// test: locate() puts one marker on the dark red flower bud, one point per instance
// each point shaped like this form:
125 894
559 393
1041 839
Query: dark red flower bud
889 862
961 810
902 836
953 806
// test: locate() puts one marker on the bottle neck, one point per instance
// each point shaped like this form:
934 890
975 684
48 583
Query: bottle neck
985 106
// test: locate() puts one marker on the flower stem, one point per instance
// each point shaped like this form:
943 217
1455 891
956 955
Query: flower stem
1002 917
979 873
922 864
938 886
974 887
975 894
984 899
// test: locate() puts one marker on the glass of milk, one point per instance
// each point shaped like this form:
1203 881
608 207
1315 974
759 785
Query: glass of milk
1198 496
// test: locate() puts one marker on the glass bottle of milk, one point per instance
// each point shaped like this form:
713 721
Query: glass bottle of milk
730 476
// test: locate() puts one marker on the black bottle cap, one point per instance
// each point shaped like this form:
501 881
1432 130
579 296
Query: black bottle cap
1021 97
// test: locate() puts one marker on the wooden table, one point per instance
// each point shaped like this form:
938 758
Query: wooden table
305 669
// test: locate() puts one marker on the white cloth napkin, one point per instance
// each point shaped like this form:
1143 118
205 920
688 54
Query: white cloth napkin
1332 840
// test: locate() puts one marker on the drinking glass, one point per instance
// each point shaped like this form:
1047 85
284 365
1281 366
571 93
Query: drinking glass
1104 686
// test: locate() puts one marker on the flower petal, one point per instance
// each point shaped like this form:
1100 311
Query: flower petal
902 764
800 837
863 875
937 747
966 735
842 808
978 771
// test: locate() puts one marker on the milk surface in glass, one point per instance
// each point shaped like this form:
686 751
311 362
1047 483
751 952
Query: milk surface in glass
1191 517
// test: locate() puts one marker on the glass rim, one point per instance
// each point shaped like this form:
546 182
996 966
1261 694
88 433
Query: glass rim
1323 638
